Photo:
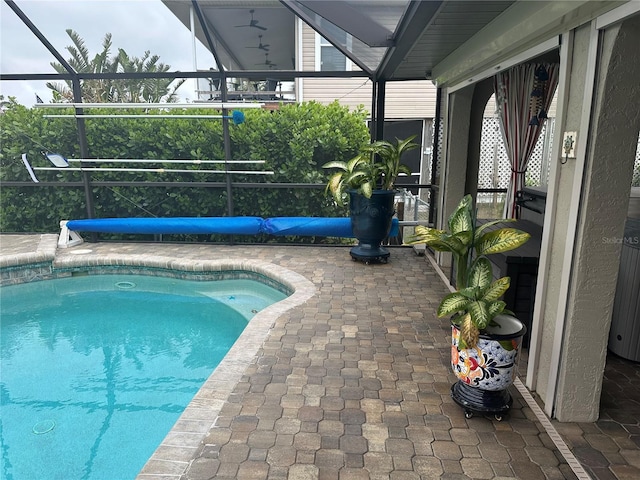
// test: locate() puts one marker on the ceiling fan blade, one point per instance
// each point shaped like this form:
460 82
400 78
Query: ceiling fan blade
253 22
261 46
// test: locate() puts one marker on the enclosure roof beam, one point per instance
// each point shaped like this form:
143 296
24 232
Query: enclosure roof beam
207 35
250 74
351 20
296 8
40 36
416 18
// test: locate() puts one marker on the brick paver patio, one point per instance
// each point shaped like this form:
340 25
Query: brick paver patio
354 384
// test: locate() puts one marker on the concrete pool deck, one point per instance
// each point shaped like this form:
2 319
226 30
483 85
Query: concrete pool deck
351 383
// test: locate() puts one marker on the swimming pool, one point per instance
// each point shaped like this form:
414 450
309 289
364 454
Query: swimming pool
97 369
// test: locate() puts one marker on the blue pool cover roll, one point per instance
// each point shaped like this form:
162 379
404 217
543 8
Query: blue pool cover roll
320 226
304 226
227 225
327 227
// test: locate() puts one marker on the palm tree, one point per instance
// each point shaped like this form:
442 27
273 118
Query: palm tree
147 89
105 90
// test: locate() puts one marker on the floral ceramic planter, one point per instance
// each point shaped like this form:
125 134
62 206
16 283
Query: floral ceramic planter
491 365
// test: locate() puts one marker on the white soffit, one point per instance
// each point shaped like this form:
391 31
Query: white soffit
536 51
618 14
524 26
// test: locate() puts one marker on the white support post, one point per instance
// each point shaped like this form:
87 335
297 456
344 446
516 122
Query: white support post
68 238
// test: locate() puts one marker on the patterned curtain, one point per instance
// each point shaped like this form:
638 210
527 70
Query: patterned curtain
523 96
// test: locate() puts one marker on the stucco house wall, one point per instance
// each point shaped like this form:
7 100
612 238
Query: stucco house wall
588 196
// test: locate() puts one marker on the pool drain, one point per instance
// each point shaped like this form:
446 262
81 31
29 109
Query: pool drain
125 285
43 427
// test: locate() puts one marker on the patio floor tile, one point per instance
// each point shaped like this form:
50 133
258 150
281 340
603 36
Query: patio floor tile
355 383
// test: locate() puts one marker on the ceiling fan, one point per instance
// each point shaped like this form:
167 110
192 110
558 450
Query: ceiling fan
252 23
261 46
267 62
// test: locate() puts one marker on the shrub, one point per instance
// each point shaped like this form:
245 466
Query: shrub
294 141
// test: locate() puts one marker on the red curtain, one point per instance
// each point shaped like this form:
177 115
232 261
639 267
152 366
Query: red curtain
523 96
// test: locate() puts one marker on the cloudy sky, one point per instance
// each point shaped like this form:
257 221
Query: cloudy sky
135 26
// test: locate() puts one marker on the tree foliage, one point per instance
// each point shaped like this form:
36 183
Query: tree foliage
148 90
294 142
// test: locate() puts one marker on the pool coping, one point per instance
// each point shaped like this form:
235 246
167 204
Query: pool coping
26 266
181 445
45 251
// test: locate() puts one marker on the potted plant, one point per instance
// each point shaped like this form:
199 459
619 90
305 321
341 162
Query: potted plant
368 181
485 335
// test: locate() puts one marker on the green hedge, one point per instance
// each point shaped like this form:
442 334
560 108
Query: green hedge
294 140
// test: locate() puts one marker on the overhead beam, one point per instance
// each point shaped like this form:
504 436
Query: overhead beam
250 74
204 23
207 34
416 18
352 20
296 8
40 36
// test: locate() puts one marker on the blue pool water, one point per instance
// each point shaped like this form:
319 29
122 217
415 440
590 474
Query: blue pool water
95 370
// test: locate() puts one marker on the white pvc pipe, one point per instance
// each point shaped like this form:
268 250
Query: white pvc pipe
216 105
149 170
299 82
192 28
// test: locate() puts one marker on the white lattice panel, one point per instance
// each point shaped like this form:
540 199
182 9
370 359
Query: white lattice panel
495 170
